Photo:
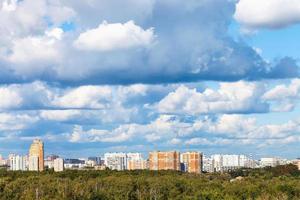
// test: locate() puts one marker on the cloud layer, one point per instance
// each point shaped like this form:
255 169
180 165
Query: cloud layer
143 75
164 44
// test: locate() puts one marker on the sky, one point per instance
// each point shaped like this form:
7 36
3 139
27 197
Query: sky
96 76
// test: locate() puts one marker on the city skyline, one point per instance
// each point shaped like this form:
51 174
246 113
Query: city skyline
216 76
36 149
190 161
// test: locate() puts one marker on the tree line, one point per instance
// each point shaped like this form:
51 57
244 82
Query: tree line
282 183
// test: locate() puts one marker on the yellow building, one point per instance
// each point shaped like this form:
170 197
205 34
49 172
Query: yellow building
192 162
37 150
164 160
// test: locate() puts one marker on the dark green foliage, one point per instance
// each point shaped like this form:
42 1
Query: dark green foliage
280 183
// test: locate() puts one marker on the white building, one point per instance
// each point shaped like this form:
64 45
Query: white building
231 162
134 156
208 164
18 163
33 163
90 163
58 165
217 162
115 161
70 163
124 161
2 161
49 164
269 162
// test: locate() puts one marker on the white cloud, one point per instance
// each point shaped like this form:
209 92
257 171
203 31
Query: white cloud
161 128
285 97
9 99
16 122
9 5
34 95
96 97
232 125
36 49
175 141
59 115
208 142
253 14
88 13
281 92
241 127
235 97
28 17
108 37
56 33
120 134
171 130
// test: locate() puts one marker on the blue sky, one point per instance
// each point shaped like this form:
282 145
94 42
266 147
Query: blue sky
89 77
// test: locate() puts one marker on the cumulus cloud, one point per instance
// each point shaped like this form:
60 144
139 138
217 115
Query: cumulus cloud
196 47
159 129
255 14
281 92
9 99
124 102
61 66
120 134
16 122
28 17
59 115
285 96
89 13
109 37
238 97
95 104
84 97
35 49
224 130
39 95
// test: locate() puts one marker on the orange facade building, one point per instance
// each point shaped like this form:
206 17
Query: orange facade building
37 150
137 165
164 160
192 162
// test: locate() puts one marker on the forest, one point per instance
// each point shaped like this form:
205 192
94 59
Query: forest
279 183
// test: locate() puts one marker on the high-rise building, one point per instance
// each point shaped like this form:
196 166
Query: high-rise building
49 162
2 161
135 161
269 162
115 161
58 165
97 160
37 150
221 163
52 157
18 163
207 164
137 164
70 163
192 162
164 160
33 163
